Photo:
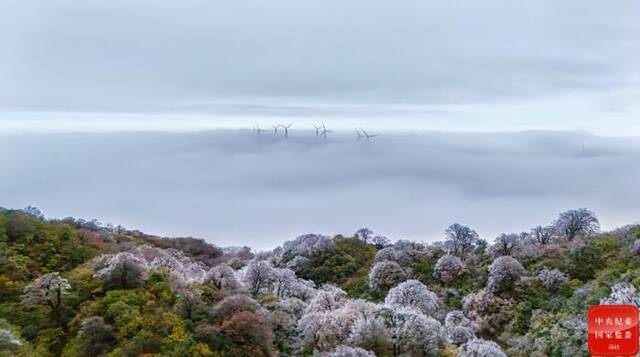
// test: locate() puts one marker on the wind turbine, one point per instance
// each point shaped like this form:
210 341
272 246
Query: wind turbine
317 128
275 129
286 129
257 128
324 131
367 135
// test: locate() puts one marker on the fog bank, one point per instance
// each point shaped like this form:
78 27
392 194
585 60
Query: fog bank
240 188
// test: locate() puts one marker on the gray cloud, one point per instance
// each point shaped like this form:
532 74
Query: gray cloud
148 56
233 187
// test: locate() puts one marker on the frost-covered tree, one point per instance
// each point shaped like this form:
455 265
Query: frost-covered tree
385 274
573 223
457 318
325 329
542 235
552 279
412 333
481 348
458 328
286 284
381 241
283 281
364 234
460 240
371 334
347 351
448 267
283 317
622 294
328 297
413 294
504 272
124 270
299 264
182 269
459 335
505 244
306 244
222 277
258 276
49 290
403 252
486 310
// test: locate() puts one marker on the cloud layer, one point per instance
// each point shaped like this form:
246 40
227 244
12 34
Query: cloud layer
235 187
542 60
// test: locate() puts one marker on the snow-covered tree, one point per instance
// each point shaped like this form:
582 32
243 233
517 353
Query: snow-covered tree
406 253
283 317
413 294
347 351
328 297
503 273
448 267
622 294
460 240
505 244
635 247
486 310
371 334
481 348
542 234
576 222
222 277
385 274
283 281
299 264
329 319
412 333
324 330
459 335
286 284
458 328
364 234
124 270
552 279
381 241
49 290
182 270
306 244
258 276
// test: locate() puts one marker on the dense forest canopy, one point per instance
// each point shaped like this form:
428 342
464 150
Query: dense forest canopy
71 287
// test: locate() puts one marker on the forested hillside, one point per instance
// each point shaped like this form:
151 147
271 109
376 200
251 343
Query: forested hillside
72 287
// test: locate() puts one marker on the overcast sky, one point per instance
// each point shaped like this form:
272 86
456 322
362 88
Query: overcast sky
450 65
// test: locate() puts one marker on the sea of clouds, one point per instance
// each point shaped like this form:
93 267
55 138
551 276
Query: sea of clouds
235 187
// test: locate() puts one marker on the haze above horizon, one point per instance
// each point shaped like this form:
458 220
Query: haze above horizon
409 65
